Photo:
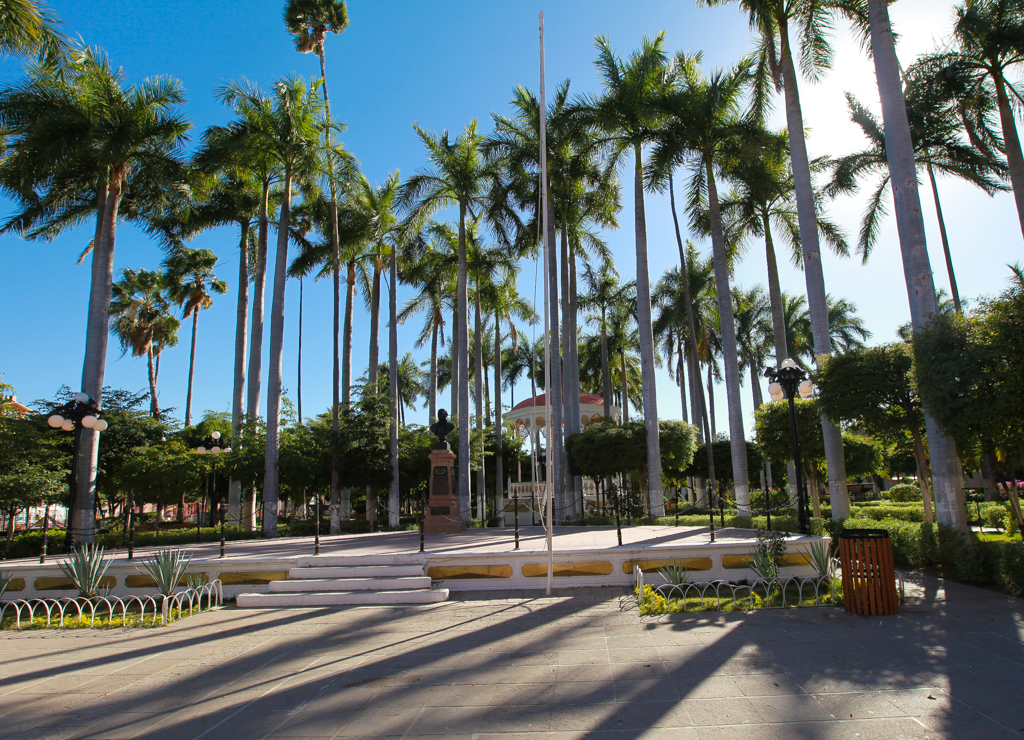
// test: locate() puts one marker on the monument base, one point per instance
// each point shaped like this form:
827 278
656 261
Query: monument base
443 515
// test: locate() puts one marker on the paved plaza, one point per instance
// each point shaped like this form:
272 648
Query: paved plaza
581 663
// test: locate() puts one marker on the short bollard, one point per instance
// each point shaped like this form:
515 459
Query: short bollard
316 528
515 499
423 520
618 520
223 517
46 530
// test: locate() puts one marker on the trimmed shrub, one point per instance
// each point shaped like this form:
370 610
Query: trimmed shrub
904 492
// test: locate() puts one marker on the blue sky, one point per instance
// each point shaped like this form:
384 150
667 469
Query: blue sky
442 65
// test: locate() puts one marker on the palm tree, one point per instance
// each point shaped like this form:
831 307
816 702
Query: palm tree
705 126
294 142
799 337
190 282
27 29
242 144
772 22
899 146
455 177
140 318
433 267
623 340
231 197
626 113
753 334
937 146
116 142
986 47
600 289
308 21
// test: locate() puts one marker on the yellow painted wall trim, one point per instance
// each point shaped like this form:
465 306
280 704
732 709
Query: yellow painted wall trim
252 577
60 583
454 572
567 570
649 566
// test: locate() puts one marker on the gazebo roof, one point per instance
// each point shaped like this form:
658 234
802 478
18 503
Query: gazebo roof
589 399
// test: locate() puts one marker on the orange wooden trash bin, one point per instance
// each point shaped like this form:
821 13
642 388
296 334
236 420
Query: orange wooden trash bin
869 574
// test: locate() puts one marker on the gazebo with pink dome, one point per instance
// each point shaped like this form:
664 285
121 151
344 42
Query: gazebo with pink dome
529 417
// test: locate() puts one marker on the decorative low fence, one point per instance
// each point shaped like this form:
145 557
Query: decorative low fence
761 593
199 597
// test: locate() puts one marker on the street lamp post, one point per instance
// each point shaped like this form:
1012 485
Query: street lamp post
211 444
786 382
81 412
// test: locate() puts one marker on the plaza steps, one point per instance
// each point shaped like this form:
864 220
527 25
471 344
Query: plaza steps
343 580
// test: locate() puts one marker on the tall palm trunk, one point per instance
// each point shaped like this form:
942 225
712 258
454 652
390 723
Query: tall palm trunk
154 406
432 390
374 360
624 379
271 487
681 379
945 241
462 360
778 324
813 274
1014 160
191 367
453 364
946 483
259 284
737 440
554 383
94 367
606 375
298 393
336 280
238 389
643 302
393 500
499 462
478 351
711 401
699 411
570 348
341 500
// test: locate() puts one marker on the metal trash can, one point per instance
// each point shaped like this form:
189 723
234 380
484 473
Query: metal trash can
869 575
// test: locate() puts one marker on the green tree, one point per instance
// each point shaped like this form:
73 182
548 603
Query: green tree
937 146
456 176
121 141
31 468
876 389
140 318
27 28
706 125
191 284
899 147
629 115
986 49
775 440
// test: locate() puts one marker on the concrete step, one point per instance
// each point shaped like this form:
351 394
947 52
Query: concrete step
325 585
395 558
339 598
356 571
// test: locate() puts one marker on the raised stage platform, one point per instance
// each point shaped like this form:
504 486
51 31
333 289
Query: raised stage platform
472 560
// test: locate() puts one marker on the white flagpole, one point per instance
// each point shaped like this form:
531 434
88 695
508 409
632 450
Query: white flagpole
547 313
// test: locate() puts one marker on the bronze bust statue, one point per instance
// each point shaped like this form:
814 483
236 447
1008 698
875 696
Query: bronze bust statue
442 428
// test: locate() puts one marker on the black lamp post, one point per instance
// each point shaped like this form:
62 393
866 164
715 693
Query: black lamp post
81 412
211 444
787 382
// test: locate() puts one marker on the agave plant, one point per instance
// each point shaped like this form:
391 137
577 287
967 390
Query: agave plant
675 574
195 582
86 568
820 559
166 568
763 565
5 582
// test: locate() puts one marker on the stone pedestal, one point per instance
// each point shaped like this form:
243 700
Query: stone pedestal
443 515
